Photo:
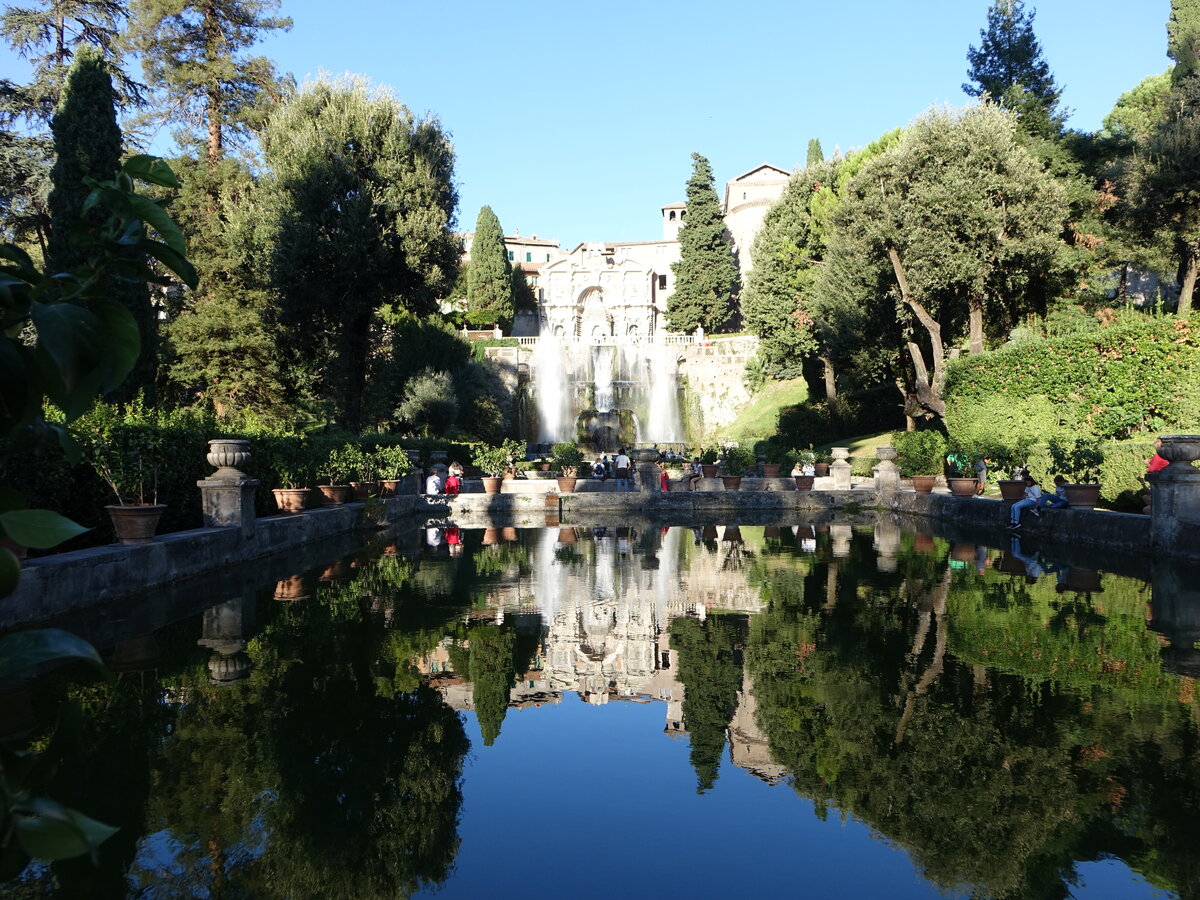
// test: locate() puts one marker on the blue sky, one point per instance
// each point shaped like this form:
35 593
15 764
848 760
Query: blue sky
576 121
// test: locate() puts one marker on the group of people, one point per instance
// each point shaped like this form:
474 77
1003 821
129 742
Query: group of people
1035 500
618 468
449 484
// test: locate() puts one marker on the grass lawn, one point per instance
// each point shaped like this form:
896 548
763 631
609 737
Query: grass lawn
759 419
862 445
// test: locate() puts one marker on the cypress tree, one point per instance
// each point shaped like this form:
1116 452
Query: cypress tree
87 143
1183 37
706 276
490 280
815 154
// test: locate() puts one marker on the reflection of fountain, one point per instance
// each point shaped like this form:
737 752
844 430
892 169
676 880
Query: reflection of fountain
605 394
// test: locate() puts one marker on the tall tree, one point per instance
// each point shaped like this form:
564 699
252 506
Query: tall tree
1008 67
357 212
965 219
1183 37
193 53
87 144
815 154
706 275
490 279
24 173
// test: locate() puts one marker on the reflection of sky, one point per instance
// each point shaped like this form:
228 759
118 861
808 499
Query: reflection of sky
596 802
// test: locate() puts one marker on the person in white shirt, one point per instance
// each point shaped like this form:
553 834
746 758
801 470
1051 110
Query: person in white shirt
623 464
1033 494
433 484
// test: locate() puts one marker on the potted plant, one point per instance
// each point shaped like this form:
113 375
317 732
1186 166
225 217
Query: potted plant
566 459
737 461
393 466
335 472
1080 464
708 462
289 458
495 461
822 464
804 469
776 457
919 455
362 471
134 520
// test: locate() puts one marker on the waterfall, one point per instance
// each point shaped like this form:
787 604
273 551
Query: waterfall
550 389
664 424
602 374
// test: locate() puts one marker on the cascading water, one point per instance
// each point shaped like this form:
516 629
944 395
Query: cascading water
550 389
602 377
664 424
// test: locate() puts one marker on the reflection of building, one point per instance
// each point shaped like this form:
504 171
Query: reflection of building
605 601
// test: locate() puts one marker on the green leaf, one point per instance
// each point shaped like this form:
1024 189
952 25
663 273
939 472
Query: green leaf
157 218
176 262
39 528
123 341
152 169
72 335
49 830
26 649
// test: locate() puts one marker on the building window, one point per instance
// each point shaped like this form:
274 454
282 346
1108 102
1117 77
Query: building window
672 216
510 256
528 257
547 257
662 282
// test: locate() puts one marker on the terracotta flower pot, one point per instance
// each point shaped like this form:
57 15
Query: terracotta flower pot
1082 496
923 543
364 490
136 524
963 487
491 484
566 484
708 471
1012 489
294 587
490 536
334 494
291 500
771 470
731 482
804 482
923 484
822 469
509 534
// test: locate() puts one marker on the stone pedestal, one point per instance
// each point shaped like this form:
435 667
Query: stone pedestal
1175 610
887 473
647 477
1175 490
228 504
887 544
839 469
840 536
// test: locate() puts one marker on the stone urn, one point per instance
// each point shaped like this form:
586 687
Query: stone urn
229 456
885 454
1180 450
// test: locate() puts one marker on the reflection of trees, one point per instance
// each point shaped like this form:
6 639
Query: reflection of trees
885 701
491 658
710 669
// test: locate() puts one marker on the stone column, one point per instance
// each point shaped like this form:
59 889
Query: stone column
887 543
227 496
1175 491
841 536
887 474
840 469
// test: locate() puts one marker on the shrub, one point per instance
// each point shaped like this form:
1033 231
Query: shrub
1006 430
737 460
566 457
919 452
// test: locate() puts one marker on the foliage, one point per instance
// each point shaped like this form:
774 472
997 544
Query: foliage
341 465
709 456
359 202
429 405
1183 37
494 461
193 52
87 144
566 458
490 281
391 461
737 460
920 452
706 275
1079 462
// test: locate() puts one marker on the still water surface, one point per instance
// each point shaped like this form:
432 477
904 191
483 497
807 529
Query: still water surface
646 711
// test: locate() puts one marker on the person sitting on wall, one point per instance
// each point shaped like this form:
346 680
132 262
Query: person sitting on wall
1058 499
697 473
454 480
599 470
1033 493
433 484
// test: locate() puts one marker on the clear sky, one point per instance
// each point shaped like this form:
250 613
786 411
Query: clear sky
576 121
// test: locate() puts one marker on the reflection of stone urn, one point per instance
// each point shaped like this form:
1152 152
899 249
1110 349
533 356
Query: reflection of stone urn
229 456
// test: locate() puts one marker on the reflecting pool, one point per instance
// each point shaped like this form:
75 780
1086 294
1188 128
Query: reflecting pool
644 710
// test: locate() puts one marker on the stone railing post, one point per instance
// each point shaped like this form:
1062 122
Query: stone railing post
227 496
1175 490
840 469
887 473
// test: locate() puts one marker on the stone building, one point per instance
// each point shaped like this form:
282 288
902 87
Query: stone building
747 199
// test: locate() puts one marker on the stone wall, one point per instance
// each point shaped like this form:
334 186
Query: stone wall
715 374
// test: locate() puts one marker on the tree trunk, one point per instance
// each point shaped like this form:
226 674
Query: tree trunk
212 101
1188 286
831 394
975 311
928 384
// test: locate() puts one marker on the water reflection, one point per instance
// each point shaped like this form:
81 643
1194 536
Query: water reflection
1000 715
